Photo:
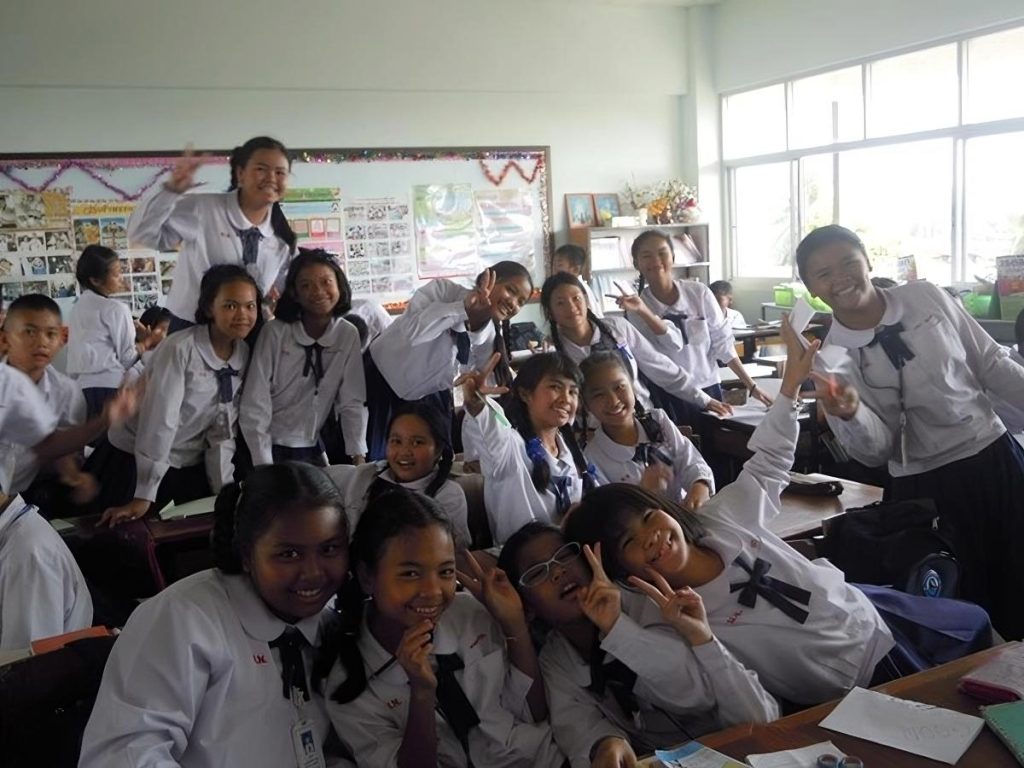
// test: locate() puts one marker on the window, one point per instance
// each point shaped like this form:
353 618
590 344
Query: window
995 69
817 192
916 92
763 237
818 102
755 122
994 213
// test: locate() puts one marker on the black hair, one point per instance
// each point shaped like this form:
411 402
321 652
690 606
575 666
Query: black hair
94 263
530 374
386 516
597 360
508 558
604 516
576 254
360 325
822 237
33 302
155 315
244 511
643 237
213 280
547 291
721 287
880 281
505 270
1018 331
432 417
240 158
288 308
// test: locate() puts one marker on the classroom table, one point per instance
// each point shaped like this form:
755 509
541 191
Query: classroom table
803 516
936 686
750 336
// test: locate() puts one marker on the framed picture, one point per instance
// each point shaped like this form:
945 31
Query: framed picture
580 210
606 206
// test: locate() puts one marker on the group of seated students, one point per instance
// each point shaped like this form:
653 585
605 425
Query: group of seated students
629 608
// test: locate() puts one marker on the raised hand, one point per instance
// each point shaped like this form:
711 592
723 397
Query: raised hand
682 609
123 405
601 601
697 495
799 359
413 655
478 301
656 477
183 174
474 386
148 337
493 589
627 301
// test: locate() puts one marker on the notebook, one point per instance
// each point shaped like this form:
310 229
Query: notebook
1007 722
1001 679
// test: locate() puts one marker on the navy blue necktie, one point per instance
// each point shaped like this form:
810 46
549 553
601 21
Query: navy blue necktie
776 592
452 701
225 389
250 244
314 362
678 319
461 346
895 347
560 487
614 676
293 671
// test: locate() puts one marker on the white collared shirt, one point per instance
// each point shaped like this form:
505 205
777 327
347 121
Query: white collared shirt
193 681
65 399
735 319
375 317
843 638
25 418
708 332
354 483
181 417
281 401
643 358
42 589
416 354
101 341
681 691
373 725
945 386
206 227
615 461
509 494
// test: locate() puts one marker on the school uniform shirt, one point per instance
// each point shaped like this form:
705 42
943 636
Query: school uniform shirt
592 301
945 387
1012 416
42 589
509 494
375 317
65 399
101 341
282 404
619 463
25 417
372 726
354 483
182 419
734 318
643 358
416 354
206 227
192 681
843 637
681 691
707 338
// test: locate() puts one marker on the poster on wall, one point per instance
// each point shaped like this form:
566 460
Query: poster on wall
446 230
506 226
36 252
378 248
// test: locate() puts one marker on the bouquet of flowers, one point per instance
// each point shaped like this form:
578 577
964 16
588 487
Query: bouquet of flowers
666 202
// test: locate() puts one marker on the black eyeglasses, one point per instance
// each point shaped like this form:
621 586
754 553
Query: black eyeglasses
537 574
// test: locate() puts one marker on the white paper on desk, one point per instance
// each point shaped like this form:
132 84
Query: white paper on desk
920 729
806 757
178 511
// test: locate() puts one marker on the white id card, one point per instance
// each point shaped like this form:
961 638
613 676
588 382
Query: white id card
308 753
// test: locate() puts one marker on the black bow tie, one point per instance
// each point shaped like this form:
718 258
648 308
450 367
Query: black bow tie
314 361
776 592
617 678
293 671
250 244
647 453
678 319
225 389
452 701
895 347
461 346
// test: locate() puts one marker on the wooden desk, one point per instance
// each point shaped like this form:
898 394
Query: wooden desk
935 686
803 516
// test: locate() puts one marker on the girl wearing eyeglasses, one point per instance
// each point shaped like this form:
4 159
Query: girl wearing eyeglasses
616 688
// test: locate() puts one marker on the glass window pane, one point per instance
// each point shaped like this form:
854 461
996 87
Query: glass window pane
915 92
763 240
898 199
816 192
810 113
754 123
994 195
995 69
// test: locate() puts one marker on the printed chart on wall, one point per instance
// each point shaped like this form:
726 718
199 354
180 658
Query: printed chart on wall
395 218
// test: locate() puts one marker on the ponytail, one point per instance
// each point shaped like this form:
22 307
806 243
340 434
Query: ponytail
503 370
279 223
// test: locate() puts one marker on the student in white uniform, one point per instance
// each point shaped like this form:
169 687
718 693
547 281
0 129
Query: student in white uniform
419 457
532 465
243 226
571 258
426 677
215 670
617 688
42 590
374 316
445 329
633 445
577 332
809 635
305 381
700 335
912 390
722 290
181 446
32 334
103 340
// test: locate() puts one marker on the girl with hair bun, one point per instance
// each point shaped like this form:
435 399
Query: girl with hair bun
243 226
215 670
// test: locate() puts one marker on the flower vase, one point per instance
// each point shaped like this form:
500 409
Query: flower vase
641 216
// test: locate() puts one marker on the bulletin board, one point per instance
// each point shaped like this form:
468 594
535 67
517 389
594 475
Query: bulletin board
396 218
